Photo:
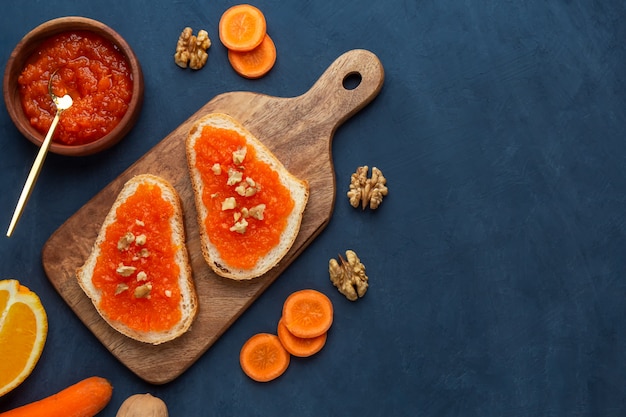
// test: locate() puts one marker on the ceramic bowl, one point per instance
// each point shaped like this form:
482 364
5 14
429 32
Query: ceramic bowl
25 49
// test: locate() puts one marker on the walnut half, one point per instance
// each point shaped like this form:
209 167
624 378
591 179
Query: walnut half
192 50
366 191
348 275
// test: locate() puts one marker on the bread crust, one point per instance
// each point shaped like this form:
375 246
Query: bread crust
188 302
299 190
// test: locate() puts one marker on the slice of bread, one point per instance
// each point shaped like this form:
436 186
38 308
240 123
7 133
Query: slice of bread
298 189
188 302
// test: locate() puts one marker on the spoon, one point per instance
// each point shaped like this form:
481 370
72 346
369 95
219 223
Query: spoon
61 104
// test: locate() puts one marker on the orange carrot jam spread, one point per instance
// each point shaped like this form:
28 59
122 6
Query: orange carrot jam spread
138 252
92 71
240 236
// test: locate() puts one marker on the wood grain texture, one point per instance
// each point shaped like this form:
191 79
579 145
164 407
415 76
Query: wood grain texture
298 130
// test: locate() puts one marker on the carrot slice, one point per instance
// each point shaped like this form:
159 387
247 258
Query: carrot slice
308 313
86 398
242 27
255 63
263 358
299 346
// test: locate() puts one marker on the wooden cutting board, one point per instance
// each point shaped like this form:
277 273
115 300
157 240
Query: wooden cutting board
298 130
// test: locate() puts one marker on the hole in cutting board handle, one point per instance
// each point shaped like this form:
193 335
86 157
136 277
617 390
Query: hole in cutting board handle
352 81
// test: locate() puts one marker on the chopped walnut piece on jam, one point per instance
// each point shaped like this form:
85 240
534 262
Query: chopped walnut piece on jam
256 212
140 240
234 177
125 270
229 203
239 155
125 241
348 275
143 291
142 276
241 189
240 226
248 188
121 288
216 168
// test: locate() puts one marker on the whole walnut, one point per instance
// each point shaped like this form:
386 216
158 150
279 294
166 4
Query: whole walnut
348 275
366 191
191 50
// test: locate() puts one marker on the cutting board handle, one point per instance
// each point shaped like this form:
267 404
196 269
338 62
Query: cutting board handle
348 84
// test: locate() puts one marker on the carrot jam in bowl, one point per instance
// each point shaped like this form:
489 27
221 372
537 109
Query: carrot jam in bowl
87 60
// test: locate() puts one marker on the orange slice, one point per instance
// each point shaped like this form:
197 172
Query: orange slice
23 331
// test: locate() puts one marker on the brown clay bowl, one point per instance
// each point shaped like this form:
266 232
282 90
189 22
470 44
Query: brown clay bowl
25 49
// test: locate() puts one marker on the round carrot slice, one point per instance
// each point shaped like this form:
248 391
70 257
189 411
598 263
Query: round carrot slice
242 27
299 346
255 63
308 313
263 358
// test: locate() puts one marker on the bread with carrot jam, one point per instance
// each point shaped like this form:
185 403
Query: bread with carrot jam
138 274
249 206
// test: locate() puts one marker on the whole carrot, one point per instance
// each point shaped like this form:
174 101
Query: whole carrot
83 399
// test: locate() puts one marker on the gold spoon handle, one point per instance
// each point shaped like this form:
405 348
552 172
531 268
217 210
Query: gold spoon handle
33 174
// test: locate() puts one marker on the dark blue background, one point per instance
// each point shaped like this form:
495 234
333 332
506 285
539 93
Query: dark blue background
496 264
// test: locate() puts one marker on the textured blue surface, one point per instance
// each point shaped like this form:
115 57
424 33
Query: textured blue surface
496 264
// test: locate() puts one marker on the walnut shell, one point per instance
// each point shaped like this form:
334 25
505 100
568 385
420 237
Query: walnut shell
142 405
